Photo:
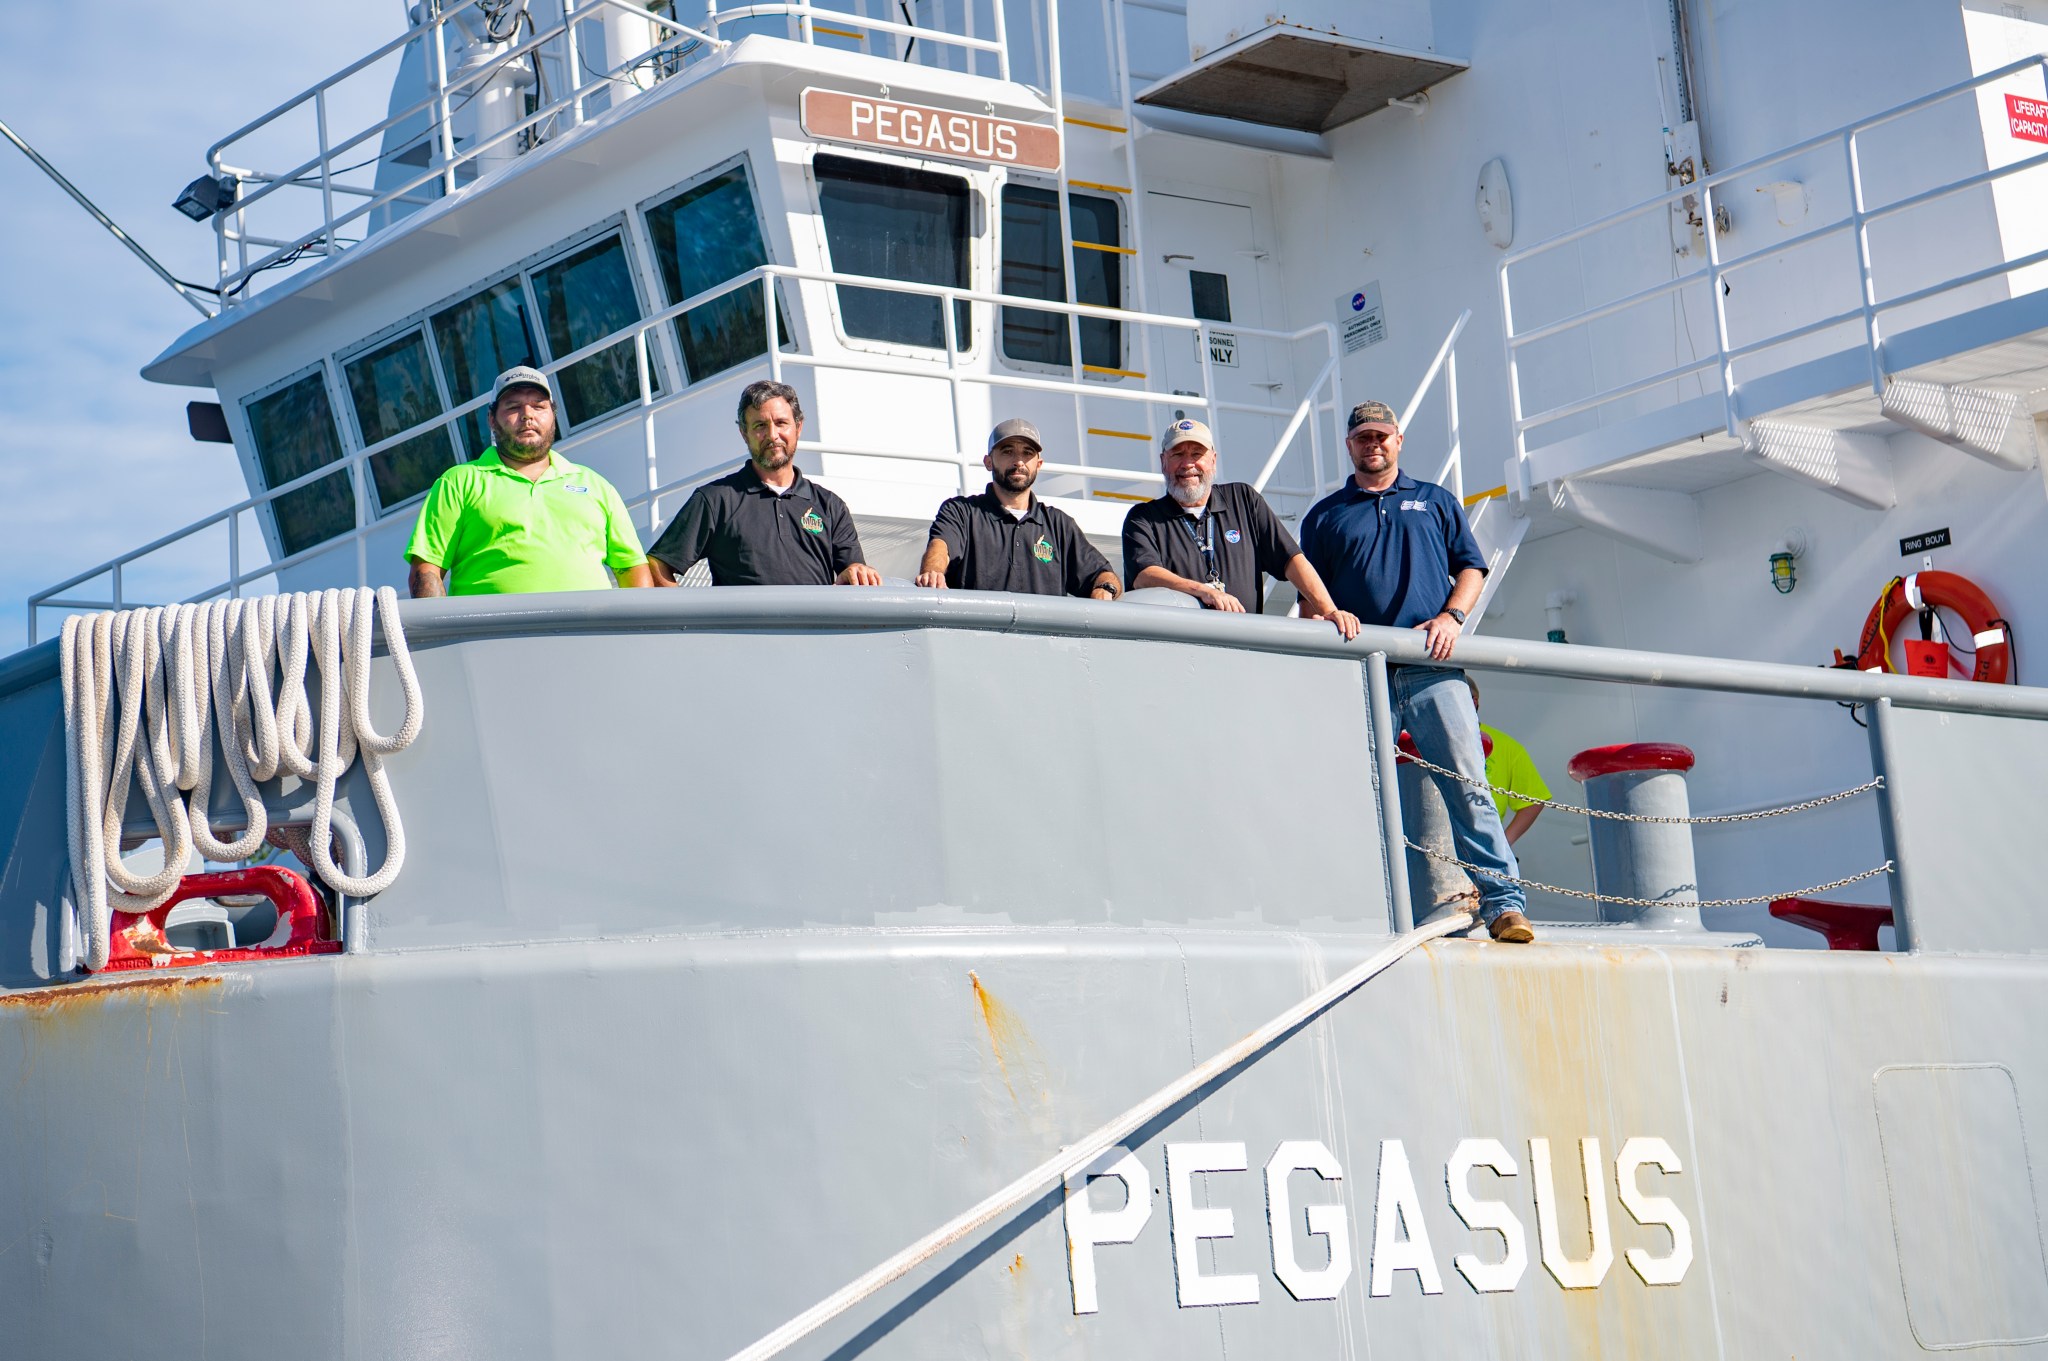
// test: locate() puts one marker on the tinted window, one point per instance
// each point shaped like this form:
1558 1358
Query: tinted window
295 433
703 236
584 297
895 223
1210 295
478 339
1031 269
392 389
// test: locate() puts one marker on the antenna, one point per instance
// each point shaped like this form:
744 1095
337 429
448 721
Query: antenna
183 290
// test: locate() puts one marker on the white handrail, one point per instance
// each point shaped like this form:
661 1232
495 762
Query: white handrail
446 95
1073 1161
355 463
1869 308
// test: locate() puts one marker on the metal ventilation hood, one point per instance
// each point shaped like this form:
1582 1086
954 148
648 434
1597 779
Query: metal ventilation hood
1315 66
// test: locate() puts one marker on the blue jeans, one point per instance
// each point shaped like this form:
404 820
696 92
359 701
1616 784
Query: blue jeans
1434 705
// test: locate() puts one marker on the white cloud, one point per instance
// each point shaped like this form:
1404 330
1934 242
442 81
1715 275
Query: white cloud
124 98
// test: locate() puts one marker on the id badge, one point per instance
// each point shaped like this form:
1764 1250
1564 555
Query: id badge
1217 584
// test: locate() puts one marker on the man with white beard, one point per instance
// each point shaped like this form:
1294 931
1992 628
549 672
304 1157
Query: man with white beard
1217 542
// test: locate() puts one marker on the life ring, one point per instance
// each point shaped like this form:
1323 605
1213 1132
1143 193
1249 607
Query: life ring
1907 596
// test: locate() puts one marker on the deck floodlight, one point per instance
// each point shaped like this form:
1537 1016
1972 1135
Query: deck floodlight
205 196
1782 575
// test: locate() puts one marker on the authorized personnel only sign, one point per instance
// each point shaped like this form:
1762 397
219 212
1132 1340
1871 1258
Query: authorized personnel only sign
2027 118
922 131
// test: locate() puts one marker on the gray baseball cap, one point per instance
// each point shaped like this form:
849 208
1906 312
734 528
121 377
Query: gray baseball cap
1015 428
520 375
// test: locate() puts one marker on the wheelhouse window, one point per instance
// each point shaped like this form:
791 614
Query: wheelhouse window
703 236
294 432
393 388
894 222
1031 268
581 298
477 339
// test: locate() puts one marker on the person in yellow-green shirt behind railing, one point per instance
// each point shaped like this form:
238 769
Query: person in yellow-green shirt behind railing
522 517
1509 767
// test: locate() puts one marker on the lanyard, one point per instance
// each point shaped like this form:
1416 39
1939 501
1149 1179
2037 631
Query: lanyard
1207 543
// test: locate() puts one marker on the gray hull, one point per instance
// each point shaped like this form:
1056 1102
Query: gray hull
807 954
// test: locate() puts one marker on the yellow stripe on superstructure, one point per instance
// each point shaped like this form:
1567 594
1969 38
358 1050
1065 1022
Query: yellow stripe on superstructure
1105 188
1101 127
1476 497
1111 373
1113 250
1121 434
1121 496
839 32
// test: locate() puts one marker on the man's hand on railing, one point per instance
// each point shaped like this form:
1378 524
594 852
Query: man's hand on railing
859 574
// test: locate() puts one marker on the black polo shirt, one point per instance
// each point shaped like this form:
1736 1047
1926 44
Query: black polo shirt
1248 539
1044 553
804 537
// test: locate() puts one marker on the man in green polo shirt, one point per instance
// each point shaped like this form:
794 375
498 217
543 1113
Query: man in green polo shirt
522 517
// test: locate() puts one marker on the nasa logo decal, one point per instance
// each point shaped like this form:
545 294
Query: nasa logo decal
1231 536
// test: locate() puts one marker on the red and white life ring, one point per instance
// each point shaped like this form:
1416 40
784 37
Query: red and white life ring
1907 596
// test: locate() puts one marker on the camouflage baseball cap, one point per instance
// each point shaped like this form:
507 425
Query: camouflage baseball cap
1374 416
1183 432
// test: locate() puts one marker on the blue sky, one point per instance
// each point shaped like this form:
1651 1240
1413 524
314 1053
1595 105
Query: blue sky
124 98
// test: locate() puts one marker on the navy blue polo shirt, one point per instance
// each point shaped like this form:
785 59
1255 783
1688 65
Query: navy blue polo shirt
1389 556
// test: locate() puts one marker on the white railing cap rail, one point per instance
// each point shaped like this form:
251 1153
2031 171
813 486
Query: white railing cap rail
1750 167
761 276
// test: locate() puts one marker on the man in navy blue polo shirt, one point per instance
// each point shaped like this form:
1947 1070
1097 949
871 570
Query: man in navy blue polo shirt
1399 552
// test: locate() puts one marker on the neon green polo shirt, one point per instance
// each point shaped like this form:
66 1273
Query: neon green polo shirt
495 532
1509 767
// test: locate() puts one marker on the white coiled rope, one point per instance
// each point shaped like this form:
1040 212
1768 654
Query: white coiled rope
163 680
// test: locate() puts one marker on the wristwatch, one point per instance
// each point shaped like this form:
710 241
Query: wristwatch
1456 614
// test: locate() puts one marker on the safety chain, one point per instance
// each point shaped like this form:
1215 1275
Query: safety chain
1497 876
1876 782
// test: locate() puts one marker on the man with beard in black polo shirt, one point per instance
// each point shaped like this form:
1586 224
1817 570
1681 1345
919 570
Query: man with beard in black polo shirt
1006 539
765 524
1217 542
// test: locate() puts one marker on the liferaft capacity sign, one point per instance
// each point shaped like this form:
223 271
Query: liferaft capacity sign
922 131
2027 118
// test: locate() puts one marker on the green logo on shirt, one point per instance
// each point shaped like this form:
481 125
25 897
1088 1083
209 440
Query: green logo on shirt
1042 550
812 523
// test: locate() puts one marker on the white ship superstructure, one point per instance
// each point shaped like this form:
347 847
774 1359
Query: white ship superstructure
1666 291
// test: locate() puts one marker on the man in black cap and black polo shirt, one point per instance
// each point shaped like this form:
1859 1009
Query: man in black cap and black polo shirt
1006 539
765 524
1217 542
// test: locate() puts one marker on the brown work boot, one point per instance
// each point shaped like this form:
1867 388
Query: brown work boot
1511 928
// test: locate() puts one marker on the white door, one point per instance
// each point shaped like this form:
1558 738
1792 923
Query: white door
1203 263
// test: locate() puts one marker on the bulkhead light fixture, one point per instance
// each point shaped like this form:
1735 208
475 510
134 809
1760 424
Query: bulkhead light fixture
1782 575
205 196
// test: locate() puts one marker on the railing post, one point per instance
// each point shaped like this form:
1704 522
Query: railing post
1866 279
1002 40
1720 307
642 362
442 111
326 165
572 58
234 555
1516 427
960 442
1457 462
1381 705
117 585
768 311
1882 739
